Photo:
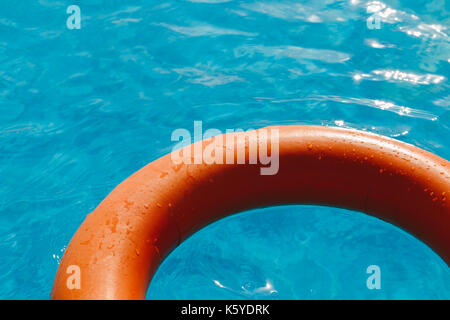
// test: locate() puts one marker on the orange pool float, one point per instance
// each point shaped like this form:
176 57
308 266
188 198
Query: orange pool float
122 242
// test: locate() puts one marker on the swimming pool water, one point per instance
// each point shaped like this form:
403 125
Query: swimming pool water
80 110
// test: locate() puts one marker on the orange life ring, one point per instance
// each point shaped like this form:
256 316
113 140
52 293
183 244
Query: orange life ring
122 242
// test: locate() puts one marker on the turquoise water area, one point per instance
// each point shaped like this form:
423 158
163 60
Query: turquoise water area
82 109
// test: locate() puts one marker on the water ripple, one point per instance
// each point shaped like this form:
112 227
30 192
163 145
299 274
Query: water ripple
206 78
399 76
409 23
314 12
373 103
205 30
294 52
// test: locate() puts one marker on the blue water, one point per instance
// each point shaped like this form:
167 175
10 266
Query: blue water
80 110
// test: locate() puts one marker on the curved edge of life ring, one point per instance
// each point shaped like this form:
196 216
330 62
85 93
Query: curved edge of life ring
122 242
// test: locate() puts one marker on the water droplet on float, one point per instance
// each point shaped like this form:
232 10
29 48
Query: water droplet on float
165 173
